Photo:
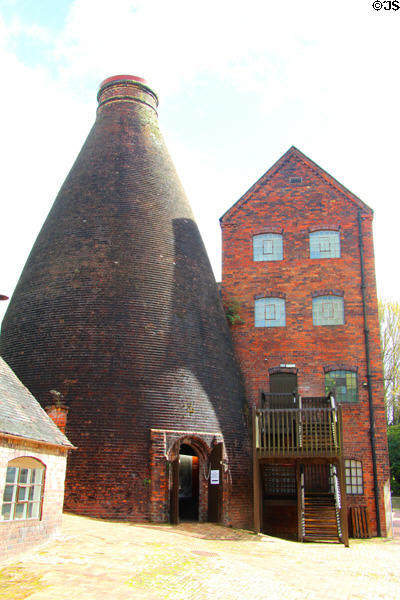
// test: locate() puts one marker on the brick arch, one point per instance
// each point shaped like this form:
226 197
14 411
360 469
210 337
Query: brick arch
340 367
201 447
326 227
28 461
327 292
270 294
268 229
274 370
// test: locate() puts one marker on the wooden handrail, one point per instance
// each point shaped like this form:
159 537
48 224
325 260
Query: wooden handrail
298 432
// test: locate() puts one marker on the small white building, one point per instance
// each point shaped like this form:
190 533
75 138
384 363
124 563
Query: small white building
33 455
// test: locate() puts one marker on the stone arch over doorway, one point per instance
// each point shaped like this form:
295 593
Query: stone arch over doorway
188 481
165 449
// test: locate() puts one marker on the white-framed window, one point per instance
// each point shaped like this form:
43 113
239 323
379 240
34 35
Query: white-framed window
342 384
23 491
325 244
267 246
354 476
269 312
328 310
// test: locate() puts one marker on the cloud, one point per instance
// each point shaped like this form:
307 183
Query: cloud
239 83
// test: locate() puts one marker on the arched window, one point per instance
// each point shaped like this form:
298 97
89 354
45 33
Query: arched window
23 491
328 310
267 246
325 244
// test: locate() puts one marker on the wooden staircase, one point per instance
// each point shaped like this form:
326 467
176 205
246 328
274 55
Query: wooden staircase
320 522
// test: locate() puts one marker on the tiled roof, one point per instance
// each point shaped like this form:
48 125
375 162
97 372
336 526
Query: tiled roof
21 415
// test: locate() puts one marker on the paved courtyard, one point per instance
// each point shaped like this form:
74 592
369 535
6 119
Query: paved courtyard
94 560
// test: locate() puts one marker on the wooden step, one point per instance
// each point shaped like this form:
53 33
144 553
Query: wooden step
320 522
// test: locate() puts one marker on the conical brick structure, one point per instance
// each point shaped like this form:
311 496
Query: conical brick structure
117 310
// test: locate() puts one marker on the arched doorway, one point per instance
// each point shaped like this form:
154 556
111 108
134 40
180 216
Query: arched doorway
283 383
188 490
196 479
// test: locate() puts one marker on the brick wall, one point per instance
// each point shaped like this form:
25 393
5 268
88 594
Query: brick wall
118 311
275 204
20 535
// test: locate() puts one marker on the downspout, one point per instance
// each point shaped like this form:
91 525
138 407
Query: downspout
369 377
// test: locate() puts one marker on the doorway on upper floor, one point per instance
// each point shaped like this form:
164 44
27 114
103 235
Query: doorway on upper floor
282 390
283 383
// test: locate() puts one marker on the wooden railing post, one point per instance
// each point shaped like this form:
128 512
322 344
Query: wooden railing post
256 475
298 432
343 510
299 503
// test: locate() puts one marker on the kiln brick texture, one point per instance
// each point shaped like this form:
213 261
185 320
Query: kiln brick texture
117 309
293 199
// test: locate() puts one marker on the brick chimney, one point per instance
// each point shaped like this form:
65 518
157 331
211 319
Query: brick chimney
58 411
118 299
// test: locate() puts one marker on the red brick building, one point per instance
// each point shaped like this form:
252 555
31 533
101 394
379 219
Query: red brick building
117 312
298 281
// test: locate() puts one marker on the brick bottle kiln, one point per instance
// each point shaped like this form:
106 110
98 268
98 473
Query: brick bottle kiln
117 310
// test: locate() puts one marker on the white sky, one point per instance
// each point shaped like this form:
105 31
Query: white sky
238 82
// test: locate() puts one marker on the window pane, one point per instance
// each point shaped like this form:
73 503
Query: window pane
269 312
20 511
9 492
328 310
33 510
6 511
23 475
267 246
22 494
34 492
37 475
11 475
325 244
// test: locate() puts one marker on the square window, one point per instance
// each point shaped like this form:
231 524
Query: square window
269 312
353 470
325 244
343 386
267 247
328 310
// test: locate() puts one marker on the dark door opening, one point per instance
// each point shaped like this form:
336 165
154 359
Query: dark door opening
283 383
188 484
279 497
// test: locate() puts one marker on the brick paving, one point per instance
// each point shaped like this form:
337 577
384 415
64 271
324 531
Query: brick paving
95 559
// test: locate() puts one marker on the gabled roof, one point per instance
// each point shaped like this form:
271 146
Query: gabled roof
21 414
293 152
